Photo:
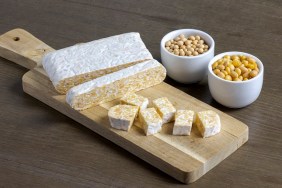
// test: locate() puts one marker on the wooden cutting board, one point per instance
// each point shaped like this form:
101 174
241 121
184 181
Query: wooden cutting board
186 158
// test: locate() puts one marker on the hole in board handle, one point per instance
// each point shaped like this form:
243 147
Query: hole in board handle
16 38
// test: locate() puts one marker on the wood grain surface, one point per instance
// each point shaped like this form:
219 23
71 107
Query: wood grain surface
39 147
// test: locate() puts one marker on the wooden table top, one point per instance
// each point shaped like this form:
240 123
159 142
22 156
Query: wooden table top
41 147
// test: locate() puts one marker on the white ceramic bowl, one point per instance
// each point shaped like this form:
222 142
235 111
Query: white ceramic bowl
187 69
235 94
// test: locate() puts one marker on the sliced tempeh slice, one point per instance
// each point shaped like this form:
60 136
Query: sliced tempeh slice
80 63
115 85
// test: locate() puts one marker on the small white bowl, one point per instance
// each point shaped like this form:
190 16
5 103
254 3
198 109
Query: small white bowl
235 94
187 69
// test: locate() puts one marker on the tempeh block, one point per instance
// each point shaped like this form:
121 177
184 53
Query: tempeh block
83 62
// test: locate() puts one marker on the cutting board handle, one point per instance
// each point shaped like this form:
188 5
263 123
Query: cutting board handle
23 48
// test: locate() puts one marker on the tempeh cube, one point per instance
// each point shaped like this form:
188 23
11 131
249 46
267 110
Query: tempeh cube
122 116
135 100
183 122
208 123
150 120
165 109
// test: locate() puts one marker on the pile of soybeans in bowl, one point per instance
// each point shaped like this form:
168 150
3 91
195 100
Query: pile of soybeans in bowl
236 68
187 46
